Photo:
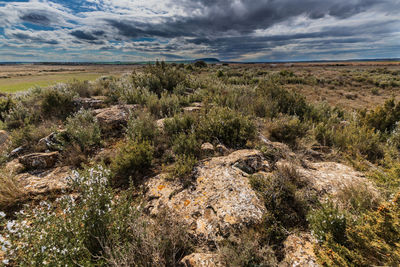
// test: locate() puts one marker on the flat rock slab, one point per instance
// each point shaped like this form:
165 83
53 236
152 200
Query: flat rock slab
44 183
220 200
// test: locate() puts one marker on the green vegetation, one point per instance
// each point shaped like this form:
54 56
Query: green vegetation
170 110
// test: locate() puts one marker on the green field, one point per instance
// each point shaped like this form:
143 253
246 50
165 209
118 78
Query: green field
16 84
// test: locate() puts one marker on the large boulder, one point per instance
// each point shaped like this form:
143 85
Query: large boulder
113 118
39 160
329 178
50 181
220 200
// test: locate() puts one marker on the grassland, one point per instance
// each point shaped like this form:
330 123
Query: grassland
15 78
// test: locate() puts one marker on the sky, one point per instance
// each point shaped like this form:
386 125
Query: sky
231 30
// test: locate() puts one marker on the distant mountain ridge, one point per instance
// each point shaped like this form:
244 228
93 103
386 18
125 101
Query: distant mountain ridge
208 60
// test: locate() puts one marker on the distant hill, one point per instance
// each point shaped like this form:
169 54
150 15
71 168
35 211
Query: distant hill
208 60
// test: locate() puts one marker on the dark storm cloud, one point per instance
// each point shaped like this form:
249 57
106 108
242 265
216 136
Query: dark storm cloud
83 35
36 18
32 39
243 17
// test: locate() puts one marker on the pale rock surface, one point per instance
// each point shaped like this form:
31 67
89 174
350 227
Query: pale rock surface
114 117
299 251
46 182
220 200
201 260
331 177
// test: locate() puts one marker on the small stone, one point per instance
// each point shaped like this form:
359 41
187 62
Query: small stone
207 149
221 149
191 109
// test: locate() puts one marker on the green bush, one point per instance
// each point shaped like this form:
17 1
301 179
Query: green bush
287 129
64 233
6 104
142 127
165 106
384 118
183 168
368 240
19 116
82 88
223 125
57 103
186 144
83 129
134 158
328 220
180 123
200 64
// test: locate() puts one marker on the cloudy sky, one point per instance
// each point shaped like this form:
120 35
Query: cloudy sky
240 30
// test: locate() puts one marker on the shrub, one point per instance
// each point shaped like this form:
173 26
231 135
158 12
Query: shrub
287 129
186 144
183 168
67 232
141 127
180 123
57 103
165 106
133 158
82 88
248 249
19 116
28 136
83 129
384 118
200 64
223 125
368 240
328 220
159 77
6 104
281 100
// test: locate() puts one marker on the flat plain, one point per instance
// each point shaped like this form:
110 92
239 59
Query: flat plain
20 77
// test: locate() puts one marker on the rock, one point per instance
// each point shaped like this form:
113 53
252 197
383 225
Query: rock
191 109
15 152
221 150
207 149
330 177
220 200
46 182
201 260
88 103
4 140
50 142
160 124
113 118
14 166
39 160
299 251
